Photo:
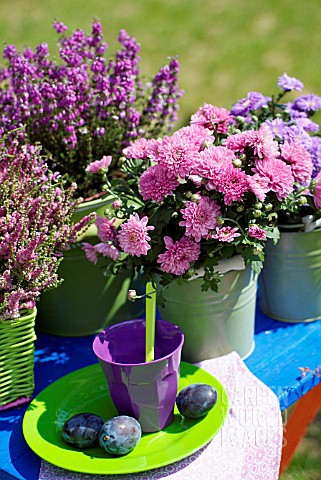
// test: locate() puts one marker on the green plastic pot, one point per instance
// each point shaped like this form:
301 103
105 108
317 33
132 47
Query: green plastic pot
214 323
290 282
87 301
17 339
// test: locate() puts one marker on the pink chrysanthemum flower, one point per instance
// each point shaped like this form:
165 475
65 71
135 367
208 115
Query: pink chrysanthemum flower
240 141
259 186
256 232
179 255
265 147
209 116
133 237
200 218
198 134
106 228
317 191
299 159
178 154
108 250
141 148
261 141
226 234
90 252
95 167
211 161
232 182
156 182
278 174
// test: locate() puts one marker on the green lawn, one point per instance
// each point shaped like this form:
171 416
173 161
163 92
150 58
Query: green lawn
225 47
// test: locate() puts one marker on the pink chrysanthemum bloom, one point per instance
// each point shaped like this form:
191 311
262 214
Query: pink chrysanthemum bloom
256 232
95 167
211 161
299 159
259 186
133 237
240 141
179 255
232 182
278 174
156 182
209 116
226 234
106 229
108 250
178 154
141 148
198 134
265 147
90 252
317 191
200 218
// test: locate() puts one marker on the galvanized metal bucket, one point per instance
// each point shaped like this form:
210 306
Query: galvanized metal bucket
214 323
290 282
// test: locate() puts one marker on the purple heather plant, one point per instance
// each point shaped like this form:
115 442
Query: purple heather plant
298 138
36 225
85 107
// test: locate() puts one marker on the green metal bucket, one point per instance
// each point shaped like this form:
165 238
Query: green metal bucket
290 282
214 323
87 301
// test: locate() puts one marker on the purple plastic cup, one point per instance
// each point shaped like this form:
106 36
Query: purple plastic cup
145 391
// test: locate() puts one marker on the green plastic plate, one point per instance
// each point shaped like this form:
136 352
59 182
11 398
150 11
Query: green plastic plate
85 390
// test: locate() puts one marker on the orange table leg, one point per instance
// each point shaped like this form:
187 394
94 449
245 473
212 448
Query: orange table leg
303 413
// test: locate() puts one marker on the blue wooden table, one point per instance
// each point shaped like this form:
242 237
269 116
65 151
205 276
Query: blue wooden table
281 349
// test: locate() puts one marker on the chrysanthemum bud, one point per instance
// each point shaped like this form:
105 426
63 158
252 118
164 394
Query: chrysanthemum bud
268 207
303 200
131 295
257 213
237 162
240 208
254 118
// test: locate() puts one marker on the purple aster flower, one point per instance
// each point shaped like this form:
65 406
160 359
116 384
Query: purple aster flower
315 152
133 237
277 127
179 255
290 83
307 103
226 234
297 134
252 102
307 124
157 182
200 218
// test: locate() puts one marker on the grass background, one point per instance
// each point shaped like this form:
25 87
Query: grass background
225 48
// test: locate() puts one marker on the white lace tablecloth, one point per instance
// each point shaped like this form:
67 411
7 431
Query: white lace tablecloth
247 447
